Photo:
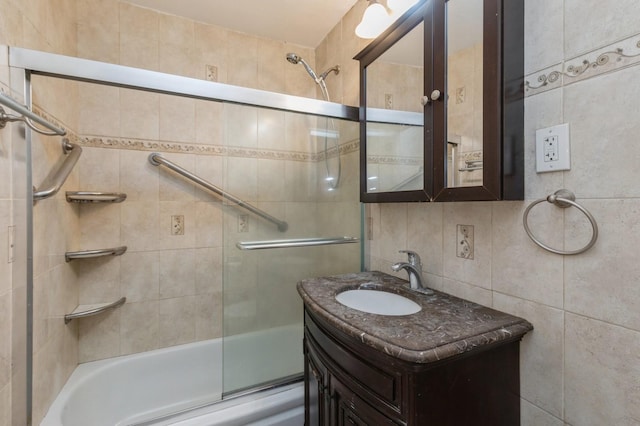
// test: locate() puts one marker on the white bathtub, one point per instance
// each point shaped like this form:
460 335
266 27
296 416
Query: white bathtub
135 389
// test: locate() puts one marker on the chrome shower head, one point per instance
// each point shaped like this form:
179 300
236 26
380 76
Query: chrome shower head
295 59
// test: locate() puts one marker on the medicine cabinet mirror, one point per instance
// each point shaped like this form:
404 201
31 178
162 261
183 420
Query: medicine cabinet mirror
442 104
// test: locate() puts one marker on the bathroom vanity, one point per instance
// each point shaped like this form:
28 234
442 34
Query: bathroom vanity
453 363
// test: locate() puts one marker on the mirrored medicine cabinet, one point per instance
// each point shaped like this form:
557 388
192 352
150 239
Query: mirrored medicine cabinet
441 104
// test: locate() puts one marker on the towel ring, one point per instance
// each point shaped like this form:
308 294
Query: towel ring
562 198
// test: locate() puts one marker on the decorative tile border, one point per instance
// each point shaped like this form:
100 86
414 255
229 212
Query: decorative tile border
188 148
622 54
393 160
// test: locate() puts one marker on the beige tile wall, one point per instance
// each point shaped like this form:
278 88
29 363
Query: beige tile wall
580 364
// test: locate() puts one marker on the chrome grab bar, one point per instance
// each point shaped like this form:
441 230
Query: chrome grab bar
157 160
301 242
27 117
54 181
93 310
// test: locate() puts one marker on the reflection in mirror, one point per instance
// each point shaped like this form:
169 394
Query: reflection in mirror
395 136
465 92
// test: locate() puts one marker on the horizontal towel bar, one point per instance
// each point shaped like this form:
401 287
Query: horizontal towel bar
54 181
300 242
27 117
91 310
85 254
157 160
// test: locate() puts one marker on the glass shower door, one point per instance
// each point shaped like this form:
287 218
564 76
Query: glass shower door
280 168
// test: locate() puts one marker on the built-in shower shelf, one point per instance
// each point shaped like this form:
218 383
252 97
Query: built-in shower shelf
83 311
95 197
86 254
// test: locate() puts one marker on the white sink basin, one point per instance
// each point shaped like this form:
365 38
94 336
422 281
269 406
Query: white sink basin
378 302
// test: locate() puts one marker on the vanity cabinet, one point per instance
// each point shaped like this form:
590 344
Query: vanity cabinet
349 383
442 104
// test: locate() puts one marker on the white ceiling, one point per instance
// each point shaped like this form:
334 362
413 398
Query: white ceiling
303 22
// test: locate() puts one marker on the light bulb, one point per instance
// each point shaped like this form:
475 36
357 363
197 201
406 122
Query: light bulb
374 21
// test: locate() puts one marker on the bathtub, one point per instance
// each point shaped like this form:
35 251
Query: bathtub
147 388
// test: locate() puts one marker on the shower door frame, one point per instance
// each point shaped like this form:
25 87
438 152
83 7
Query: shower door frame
27 62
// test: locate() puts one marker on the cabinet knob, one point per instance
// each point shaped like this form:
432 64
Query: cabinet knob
435 95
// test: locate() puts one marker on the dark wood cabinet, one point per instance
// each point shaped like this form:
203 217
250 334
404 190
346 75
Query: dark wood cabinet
349 383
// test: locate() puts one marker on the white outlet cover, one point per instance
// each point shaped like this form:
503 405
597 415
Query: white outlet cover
560 159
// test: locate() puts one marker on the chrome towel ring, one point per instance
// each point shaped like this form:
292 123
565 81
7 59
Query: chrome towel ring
562 198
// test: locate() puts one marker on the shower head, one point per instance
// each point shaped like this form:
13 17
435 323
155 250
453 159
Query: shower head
295 59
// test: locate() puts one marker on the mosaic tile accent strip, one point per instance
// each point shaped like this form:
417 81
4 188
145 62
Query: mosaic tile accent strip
622 54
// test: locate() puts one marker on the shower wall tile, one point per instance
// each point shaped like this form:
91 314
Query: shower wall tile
99 336
139 322
271 129
242 60
177 118
208 275
466 291
208 316
271 65
139 224
98 279
425 234
139 116
209 122
140 276
519 267
98 170
602 282
208 224
242 175
139 179
5 405
271 185
541 352
98 38
614 146
139 52
612 354
606 22
177 273
99 110
544 32
138 21
177 320
241 126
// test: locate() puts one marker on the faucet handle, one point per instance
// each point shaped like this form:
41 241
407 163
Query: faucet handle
414 258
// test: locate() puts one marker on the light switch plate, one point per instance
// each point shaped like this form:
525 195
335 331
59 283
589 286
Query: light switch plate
552 149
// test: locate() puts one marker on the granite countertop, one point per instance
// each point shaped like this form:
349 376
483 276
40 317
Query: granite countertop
446 325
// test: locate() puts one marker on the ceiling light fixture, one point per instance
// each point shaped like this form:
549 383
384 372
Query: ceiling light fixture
375 20
377 17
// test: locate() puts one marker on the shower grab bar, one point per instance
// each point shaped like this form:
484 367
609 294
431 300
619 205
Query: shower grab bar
91 310
27 117
54 181
300 242
157 160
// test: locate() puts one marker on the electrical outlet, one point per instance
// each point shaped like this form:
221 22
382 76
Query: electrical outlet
211 73
243 223
388 101
177 225
552 149
464 241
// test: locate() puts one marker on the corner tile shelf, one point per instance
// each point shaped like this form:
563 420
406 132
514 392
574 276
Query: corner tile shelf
86 254
95 197
83 311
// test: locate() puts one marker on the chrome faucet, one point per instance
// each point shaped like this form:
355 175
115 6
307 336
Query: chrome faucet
413 268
